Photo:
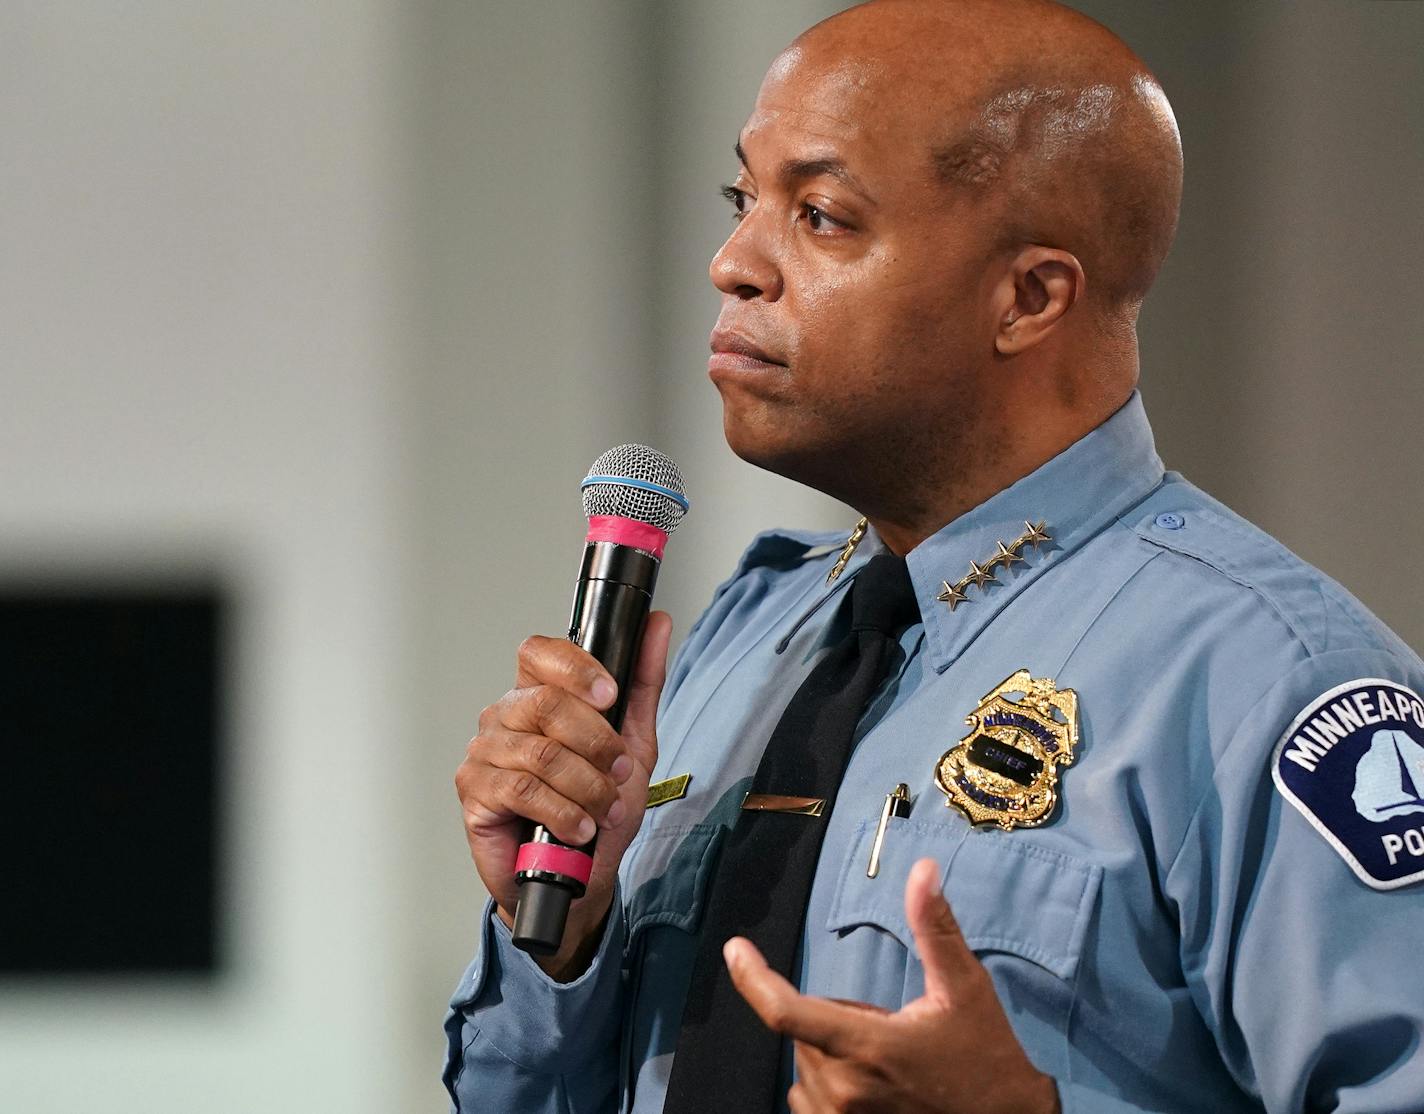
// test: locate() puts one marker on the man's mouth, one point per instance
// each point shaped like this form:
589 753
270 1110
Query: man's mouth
733 351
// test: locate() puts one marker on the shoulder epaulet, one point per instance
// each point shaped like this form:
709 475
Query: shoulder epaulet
781 548
1182 518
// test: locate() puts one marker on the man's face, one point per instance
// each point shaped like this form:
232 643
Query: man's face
855 327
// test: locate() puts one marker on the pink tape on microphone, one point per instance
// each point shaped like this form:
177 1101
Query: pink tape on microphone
558 860
627 531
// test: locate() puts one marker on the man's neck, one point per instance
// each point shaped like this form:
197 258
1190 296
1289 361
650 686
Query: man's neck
938 504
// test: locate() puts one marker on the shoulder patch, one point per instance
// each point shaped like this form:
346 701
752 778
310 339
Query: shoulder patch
1353 764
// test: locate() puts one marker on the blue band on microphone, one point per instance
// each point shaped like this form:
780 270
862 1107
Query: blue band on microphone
626 481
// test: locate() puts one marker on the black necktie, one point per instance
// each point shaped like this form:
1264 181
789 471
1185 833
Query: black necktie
727 1060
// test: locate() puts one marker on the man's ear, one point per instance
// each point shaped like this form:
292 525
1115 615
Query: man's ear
1041 286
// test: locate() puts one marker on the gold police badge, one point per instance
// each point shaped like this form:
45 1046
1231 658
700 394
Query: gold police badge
1005 771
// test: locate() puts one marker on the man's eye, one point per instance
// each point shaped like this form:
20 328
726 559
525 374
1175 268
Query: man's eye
818 221
739 200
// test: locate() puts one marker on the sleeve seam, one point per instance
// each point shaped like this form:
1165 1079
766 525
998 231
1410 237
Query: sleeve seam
1229 752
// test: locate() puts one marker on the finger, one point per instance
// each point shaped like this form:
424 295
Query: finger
946 957
557 714
541 660
810 1066
493 840
800 1101
865 1007
646 687
509 793
782 1009
563 770
833 1083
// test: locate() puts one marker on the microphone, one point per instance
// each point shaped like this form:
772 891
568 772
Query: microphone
633 497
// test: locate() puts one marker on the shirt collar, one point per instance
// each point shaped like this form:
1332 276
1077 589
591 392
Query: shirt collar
1075 495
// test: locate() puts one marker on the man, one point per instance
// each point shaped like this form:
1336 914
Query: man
1173 864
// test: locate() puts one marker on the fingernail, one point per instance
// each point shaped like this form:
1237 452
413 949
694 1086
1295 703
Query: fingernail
621 768
587 829
604 691
731 953
616 814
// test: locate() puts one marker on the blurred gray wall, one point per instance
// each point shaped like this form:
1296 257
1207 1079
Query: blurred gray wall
202 289
341 299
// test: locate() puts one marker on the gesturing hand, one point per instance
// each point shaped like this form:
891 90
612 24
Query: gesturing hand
950 1052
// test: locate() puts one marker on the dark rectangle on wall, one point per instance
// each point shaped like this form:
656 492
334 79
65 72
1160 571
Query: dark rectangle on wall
110 710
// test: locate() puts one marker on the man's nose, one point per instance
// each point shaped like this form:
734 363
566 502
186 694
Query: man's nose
742 267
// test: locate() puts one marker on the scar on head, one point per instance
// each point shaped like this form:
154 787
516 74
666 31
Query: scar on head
1037 121
1092 167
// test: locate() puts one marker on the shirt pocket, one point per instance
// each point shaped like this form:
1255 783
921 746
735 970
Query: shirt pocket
1024 909
666 876
1008 895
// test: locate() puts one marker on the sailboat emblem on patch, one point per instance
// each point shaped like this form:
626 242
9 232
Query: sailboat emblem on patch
1353 764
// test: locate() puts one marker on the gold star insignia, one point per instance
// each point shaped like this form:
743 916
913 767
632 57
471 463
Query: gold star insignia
980 575
1035 534
953 595
1005 555
1010 553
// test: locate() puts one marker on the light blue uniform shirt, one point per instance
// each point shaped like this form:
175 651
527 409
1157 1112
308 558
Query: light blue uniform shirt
1177 937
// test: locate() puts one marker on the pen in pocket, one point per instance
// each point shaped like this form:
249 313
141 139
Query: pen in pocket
897 804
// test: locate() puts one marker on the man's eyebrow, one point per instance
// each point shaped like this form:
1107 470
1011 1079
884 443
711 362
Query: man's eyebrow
795 170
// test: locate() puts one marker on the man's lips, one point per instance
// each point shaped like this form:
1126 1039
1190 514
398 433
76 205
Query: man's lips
732 351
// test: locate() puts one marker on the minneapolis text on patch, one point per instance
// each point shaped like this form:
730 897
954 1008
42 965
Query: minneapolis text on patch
1350 713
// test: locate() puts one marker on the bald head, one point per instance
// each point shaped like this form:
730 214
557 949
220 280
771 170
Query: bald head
947 213
1034 111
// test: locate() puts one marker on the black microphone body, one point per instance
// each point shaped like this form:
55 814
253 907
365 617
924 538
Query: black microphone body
615 593
634 498
611 604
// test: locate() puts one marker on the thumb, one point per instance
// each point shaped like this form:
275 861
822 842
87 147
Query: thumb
646 687
946 957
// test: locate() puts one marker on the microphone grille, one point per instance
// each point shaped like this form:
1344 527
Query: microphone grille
634 481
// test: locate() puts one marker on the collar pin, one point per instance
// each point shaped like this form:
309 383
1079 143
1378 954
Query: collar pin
856 537
1007 554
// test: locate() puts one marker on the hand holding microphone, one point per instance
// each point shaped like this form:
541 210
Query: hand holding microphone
569 750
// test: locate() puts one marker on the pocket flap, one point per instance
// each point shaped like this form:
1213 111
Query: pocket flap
665 875
1008 895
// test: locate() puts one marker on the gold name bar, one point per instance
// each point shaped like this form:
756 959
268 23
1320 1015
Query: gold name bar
673 789
774 802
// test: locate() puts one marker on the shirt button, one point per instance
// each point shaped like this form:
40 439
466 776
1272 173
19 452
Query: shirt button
1169 520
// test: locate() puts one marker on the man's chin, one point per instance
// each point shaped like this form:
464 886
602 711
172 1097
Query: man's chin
760 443
802 460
